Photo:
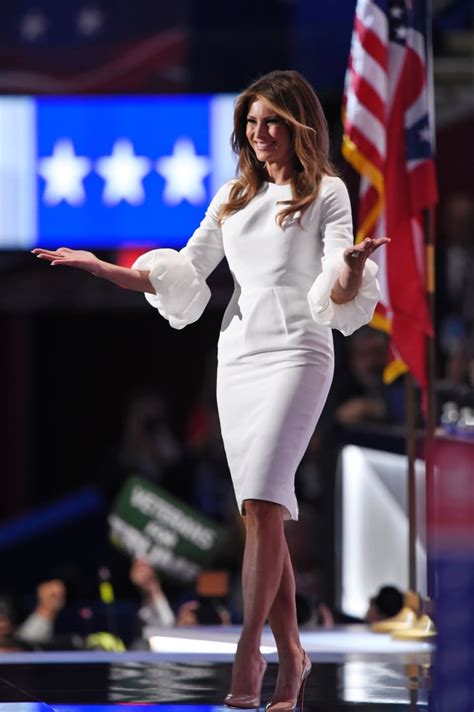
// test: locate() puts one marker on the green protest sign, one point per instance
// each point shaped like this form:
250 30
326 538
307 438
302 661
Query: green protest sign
149 523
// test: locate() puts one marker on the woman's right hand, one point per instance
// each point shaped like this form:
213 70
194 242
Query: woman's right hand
135 279
70 258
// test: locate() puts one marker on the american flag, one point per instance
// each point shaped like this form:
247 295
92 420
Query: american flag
388 138
93 46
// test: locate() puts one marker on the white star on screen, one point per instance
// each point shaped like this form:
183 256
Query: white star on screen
184 173
89 21
123 173
64 172
33 26
396 12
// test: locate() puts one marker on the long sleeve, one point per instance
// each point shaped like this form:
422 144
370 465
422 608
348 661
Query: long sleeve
179 278
36 629
337 235
157 613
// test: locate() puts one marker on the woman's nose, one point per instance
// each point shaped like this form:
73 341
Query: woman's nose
261 130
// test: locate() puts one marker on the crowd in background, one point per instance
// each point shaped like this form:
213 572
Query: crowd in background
193 468
191 465
455 306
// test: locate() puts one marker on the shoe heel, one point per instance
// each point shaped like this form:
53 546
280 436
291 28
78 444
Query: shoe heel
301 695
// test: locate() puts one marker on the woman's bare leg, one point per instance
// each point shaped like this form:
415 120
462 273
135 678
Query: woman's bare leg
264 557
283 622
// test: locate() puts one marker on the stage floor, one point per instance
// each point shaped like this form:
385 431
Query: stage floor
354 670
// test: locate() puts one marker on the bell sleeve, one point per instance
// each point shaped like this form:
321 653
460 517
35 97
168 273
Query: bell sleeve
179 278
337 236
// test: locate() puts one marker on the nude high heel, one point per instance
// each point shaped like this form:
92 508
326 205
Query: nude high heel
290 705
247 701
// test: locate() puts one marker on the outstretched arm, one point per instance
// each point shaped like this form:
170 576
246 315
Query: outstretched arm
134 279
350 279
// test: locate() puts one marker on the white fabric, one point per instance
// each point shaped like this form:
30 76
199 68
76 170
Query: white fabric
275 352
158 613
36 629
181 295
179 278
349 316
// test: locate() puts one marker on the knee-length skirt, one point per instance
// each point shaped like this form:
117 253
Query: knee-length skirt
269 404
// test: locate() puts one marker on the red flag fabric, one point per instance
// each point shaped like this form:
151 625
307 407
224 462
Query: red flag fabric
388 140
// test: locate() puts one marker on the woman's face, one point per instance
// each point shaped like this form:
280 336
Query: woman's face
268 134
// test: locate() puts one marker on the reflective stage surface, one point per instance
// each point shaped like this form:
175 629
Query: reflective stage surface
353 671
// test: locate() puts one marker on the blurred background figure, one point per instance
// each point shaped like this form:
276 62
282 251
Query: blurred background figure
155 609
209 605
147 446
386 603
455 312
8 625
38 628
360 394
206 605
455 267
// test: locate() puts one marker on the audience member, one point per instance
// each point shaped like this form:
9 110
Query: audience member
147 446
206 607
8 625
387 602
359 395
38 628
155 609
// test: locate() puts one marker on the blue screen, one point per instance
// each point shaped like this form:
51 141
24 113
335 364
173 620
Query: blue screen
110 172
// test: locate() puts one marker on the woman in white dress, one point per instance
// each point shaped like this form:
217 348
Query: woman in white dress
284 225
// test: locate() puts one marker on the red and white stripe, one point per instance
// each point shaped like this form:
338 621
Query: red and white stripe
385 95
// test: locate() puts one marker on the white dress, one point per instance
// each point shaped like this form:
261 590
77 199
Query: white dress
275 351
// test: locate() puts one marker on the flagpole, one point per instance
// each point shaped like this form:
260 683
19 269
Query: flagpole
410 444
430 275
431 406
431 418
426 629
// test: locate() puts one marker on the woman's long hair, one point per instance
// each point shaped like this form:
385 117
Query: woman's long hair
294 100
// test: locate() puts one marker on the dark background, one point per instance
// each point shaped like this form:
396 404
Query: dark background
73 349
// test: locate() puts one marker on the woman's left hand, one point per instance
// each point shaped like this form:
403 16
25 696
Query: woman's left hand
350 278
355 256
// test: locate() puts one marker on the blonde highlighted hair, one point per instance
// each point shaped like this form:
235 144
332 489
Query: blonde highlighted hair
295 101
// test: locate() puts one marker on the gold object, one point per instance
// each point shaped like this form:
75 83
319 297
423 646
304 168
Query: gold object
424 630
404 620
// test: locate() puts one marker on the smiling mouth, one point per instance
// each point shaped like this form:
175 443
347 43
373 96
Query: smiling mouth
260 146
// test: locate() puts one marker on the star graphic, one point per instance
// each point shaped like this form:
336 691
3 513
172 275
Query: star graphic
33 26
184 173
123 173
401 32
424 134
89 21
396 12
64 172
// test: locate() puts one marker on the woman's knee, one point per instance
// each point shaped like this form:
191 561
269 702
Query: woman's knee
259 511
